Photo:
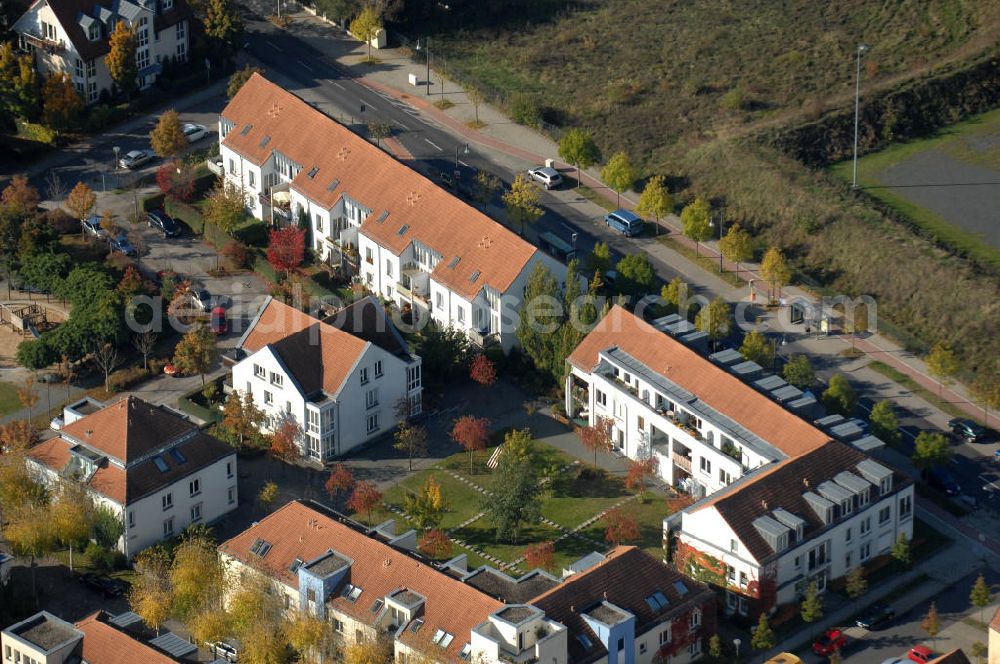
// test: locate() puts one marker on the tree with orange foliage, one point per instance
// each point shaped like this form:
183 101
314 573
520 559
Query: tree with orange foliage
340 482
472 433
435 544
597 437
541 555
27 395
482 370
639 472
284 440
365 498
16 437
621 526
19 197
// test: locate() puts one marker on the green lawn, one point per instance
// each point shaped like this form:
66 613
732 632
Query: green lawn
648 516
481 536
574 497
462 501
9 401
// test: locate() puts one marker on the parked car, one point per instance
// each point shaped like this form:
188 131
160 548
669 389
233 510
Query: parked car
135 158
218 321
121 245
831 641
163 222
967 429
56 423
991 481
195 132
784 658
545 176
201 298
940 479
921 654
105 585
224 651
875 616
627 223
92 227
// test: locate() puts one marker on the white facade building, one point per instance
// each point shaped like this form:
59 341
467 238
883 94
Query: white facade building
340 378
73 37
705 427
152 467
809 519
415 243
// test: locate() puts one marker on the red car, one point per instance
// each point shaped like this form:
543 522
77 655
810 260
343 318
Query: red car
831 641
218 321
921 654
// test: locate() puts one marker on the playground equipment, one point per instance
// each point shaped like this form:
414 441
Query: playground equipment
25 319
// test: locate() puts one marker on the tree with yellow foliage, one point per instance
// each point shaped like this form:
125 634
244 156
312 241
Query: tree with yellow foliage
426 507
72 515
150 596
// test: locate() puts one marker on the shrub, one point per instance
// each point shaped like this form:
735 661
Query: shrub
124 378
35 354
253 234
101 558
524 110
154 202
101 116
188 214
119 261
62 222
156 365
237 254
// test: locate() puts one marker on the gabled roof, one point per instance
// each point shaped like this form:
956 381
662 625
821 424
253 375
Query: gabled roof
785 486
319 356
106 644
707 381
300 531
405 205
128 429
366 319
995 623
625 578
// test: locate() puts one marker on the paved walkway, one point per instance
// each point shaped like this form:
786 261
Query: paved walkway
500 134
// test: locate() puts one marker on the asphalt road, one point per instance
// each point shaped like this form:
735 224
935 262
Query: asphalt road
904 632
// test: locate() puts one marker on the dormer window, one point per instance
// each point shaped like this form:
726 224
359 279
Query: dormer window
94 32
168 5
845 507
885 486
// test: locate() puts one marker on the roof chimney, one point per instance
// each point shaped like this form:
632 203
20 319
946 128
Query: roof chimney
763 503
805 482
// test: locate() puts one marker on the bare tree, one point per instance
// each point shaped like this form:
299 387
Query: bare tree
105 357
54 185
144 343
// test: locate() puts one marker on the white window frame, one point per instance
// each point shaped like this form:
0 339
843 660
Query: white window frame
372 423
167 501
168 527
196 512
194 487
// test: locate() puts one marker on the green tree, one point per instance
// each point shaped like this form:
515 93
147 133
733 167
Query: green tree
884 423
62 104
714 319
942 363
410 439
799 372
541 317
979 650
106 527
763 636
857 584
445 352
522 202
930 449
839 396
167 138
578 148
900 551
425 507
980 596
226 207
636 276
599 259
223 28
619 174
695 222
737 246
674 292
239 78
655 200
366 26
715 648
516 498
757 348
20 93
774 269
811 608
196 352
486 187
120 60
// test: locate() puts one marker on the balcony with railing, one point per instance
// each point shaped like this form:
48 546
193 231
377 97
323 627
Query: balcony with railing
48 45
278 199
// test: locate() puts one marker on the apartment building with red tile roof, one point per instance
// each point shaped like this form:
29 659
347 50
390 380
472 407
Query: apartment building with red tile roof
151 466
413 242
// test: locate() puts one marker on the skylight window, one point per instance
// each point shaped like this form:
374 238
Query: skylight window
417 624
178 456
296 564
260 548
442 638
264 141
246 129
313 171
657 601
475 275
584 640
680 588
383 216
454 262
446 641
160 464
333 185
377 606
402 229
351 592
466 651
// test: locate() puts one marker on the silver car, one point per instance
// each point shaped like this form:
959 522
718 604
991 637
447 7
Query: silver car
135 158
195 132
545 176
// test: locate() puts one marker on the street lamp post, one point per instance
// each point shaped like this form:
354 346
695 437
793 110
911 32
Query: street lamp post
711 224
465 151
427 47
737 643
857 103
116 150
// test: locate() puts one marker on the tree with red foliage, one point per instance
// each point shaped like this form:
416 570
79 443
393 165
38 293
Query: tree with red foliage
472 433
597 438
435 544
541 555
621 526
639 472
364 498
175 180
284 439
483 371
340 482
286 248
131 282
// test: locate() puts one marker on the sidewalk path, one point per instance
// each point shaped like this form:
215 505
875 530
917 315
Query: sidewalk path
390 78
